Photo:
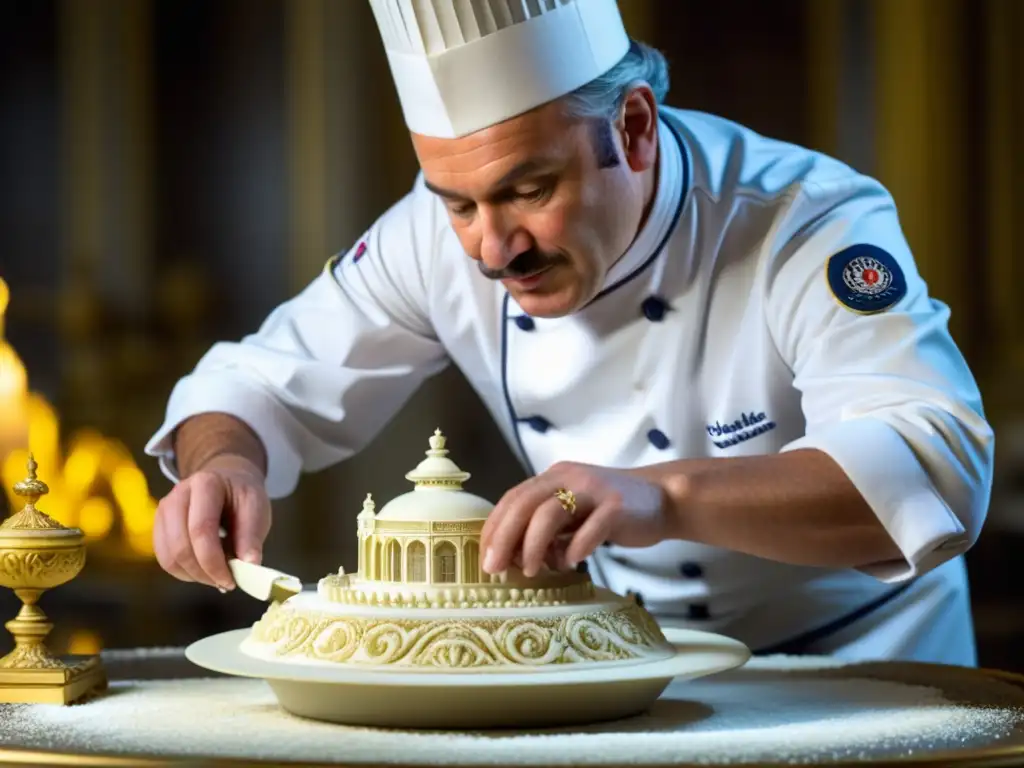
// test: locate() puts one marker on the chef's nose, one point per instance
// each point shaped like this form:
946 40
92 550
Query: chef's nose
501 239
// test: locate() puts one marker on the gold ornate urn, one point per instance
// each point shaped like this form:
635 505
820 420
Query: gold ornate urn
36 554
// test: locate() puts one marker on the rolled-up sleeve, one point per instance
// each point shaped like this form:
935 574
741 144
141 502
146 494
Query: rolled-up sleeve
884 389
330 367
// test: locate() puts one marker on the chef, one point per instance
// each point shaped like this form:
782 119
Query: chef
711 350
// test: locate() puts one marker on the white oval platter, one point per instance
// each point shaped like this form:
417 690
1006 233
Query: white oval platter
473 700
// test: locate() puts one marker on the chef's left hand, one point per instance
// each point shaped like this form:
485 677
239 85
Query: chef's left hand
529 523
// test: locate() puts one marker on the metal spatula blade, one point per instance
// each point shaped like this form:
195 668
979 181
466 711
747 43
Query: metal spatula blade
263 583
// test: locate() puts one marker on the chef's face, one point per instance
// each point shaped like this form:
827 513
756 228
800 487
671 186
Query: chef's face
545 202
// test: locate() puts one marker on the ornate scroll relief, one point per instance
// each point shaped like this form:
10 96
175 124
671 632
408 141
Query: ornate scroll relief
461 643
31 657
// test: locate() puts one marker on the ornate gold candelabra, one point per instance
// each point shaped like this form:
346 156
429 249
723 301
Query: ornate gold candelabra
36 554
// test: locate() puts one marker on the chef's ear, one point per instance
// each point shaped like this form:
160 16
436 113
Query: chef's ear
637 124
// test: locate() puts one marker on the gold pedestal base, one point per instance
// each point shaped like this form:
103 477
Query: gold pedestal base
36 554
78 678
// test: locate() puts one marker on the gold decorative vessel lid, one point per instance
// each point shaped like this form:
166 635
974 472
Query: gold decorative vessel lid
30 522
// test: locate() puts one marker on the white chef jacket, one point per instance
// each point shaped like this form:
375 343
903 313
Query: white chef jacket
770 303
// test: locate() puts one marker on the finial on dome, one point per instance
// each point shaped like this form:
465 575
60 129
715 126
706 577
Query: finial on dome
437 469
368 506
437 442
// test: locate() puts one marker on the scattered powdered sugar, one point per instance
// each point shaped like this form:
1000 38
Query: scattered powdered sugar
790 712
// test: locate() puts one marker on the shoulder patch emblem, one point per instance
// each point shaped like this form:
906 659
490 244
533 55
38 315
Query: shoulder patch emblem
332 263
357 253
865 279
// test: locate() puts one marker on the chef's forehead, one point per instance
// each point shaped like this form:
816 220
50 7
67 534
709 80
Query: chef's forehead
525 150
543 137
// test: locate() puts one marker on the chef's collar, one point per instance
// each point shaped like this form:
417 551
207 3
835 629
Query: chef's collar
663 214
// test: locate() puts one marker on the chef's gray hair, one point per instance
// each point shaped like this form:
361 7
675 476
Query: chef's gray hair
602 97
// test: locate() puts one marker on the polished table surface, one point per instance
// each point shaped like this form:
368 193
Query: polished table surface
162 710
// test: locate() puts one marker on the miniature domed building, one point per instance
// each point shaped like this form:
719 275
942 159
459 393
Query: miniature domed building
430 535
423 549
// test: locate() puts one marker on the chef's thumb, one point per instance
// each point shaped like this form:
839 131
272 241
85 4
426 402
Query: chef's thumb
252 523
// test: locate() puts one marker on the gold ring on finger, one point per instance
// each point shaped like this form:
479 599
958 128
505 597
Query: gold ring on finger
567 499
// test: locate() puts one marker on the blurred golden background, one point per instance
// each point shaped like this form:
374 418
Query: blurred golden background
170 170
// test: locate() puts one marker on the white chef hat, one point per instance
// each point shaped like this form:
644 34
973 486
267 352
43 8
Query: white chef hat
463 65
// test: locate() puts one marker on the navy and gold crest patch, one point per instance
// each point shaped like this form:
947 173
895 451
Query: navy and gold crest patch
865 279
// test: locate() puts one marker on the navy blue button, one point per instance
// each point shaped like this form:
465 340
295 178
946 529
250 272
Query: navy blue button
582 567
525 323
697 612
691 570
538 423
654 309
658 439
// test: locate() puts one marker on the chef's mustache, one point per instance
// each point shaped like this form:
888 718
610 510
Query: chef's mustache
525 264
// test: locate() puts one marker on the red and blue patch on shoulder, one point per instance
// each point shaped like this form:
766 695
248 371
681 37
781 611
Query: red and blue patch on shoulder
357 253
865 279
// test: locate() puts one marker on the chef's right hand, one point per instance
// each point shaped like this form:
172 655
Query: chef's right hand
228 492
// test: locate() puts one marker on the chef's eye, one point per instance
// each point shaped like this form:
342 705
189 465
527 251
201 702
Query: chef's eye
534 194
462 210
